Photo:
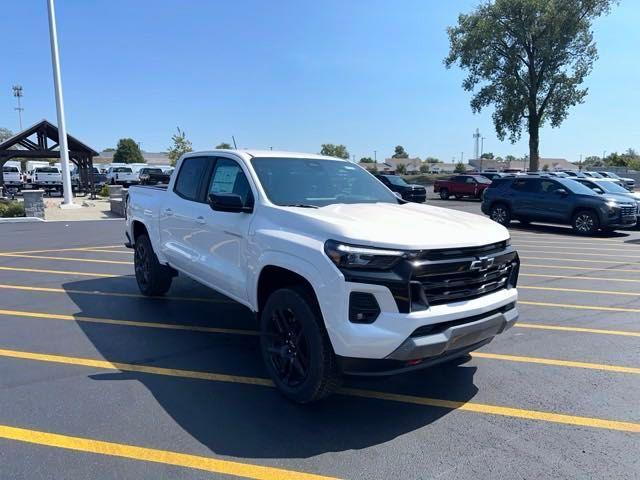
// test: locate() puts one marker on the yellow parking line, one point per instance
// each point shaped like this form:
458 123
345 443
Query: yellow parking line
110 294
540 326
127 323
568 267
426 401
61 272
580 307
100 250
558 363
68 259
570 277
73 249
582 254
582 260
578 290
208 464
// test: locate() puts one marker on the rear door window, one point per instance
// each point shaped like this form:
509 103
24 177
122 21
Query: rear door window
528 185
190 177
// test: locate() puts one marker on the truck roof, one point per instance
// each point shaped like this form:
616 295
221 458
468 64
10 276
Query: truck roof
249 154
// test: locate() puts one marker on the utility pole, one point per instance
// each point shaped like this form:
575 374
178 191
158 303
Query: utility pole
481 150
604 154
476 145
375 156
62 128
461 156
17 92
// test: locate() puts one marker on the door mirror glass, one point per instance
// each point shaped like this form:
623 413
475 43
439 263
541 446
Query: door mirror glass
227 202
562 192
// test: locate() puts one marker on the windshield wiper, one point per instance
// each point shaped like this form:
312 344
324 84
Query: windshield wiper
301 205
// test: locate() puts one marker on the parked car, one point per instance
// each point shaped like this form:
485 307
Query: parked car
628 183
345 278
603 186
48 179
408 192
121 176
77 183
462 186
153 176
557 200
491 175
12 177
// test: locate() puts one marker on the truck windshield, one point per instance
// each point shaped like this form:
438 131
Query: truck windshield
310 182
395 180
10 169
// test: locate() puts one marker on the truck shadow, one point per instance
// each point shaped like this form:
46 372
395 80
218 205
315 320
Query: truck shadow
246 420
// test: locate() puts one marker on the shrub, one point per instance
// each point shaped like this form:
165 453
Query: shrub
11 209
104 191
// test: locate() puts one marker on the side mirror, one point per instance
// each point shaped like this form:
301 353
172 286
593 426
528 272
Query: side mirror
562 192
228 202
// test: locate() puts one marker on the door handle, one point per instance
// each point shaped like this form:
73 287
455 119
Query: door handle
168 212
200 220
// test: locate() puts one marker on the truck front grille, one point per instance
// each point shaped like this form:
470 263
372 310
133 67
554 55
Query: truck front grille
465 276
629 211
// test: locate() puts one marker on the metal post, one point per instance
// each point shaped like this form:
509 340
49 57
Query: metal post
62 129
17 92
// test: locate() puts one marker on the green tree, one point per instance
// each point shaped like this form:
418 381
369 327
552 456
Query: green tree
128 151
401 169
109 149
223 146
366 160
400 152
5 133
433 160
529 58
331 150
424 168
460 168
487 155
181 145
545 168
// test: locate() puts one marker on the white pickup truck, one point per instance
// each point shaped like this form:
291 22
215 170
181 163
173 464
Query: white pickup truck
47 178
345 277
12 177
122 175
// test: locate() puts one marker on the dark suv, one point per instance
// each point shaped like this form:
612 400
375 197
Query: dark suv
408 191
556 200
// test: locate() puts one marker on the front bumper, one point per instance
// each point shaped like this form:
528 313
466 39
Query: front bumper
444 343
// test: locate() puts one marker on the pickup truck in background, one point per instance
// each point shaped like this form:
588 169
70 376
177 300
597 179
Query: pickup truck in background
460 186
48 179
12 177
408 192
153 176
78 185
344 277
124 176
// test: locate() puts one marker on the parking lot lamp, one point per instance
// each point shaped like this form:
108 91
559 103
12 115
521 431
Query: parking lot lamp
62 129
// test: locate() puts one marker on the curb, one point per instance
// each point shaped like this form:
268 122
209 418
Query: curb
21 220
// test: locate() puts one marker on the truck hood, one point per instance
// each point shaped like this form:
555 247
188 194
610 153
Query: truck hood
409 226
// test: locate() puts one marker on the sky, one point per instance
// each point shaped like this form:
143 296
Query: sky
291 75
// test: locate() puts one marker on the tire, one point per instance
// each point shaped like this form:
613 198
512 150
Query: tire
585 222
500 213
444 194
296 348
153 278
457 197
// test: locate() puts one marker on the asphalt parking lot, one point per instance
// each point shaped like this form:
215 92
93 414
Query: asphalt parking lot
98 382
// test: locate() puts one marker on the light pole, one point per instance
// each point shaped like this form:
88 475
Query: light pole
375 156
62 129
17 92
481 150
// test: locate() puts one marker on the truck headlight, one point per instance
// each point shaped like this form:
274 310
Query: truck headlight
353 256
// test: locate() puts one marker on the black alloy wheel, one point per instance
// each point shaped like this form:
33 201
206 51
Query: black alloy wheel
288 347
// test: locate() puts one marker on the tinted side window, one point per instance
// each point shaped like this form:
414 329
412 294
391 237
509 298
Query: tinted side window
189 177
549 186
525 185
470 180
228 177
458 179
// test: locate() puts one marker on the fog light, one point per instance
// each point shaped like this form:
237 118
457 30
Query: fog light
363 307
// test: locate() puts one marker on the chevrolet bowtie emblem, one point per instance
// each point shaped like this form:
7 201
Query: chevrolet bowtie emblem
482 264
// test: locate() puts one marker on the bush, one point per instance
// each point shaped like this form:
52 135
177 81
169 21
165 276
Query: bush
104 191
11 209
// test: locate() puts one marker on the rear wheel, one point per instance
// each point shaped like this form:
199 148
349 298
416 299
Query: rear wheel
296 348
501 214
457 197
585 222
153 278
444 194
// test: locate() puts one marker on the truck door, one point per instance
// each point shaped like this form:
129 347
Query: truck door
552 201
179 214
222 244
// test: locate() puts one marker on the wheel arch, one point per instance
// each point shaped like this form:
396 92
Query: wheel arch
274 277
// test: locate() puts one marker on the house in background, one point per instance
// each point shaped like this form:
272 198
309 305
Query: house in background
412 165
378 167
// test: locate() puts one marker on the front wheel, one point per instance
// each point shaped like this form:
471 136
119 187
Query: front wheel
153 278
296 348
501 214
585 223
444 194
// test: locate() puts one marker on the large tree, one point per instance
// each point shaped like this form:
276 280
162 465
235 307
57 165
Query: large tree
528 58
223 146
5 133
180 146
128 151
332 150
400 152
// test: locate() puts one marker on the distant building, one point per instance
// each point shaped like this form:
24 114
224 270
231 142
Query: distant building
552 164
412 165
381 167
152 158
